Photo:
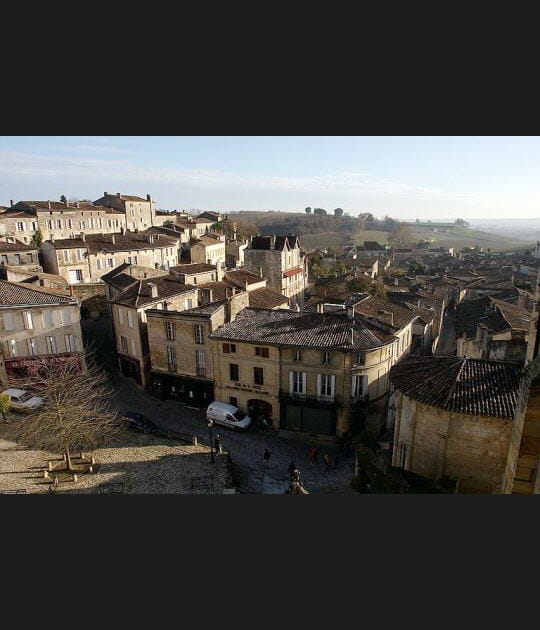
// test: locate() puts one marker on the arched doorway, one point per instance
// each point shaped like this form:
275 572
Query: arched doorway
258 409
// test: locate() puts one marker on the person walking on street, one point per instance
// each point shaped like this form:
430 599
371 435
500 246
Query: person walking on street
264 424
313 456
327 462
266 455
295 477
217 444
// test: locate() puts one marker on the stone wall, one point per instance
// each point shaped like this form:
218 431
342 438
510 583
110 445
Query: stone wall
92 297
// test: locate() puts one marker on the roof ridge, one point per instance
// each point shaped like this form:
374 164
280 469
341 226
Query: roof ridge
19 284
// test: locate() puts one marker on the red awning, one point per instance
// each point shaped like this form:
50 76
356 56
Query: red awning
293 272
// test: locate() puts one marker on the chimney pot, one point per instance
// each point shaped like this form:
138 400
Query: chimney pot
149 197
118 195
153 289
105 194
11 202
113 240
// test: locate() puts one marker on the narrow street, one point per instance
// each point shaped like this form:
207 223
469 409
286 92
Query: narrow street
246 449
447 342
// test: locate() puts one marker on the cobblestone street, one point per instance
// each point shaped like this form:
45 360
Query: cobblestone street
246 449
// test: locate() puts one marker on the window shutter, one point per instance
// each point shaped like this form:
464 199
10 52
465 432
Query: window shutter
304 382
364 385
332 385
121 315
8 321
318 384
130 319
66 314
291 382
133 348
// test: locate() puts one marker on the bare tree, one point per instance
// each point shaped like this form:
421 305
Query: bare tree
401 235
75 414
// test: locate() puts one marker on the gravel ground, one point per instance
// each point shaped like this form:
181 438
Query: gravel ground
246 449
143 464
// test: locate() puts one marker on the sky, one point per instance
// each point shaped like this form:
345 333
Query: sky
407 177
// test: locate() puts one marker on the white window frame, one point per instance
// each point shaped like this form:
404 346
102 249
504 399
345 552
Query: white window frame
170 331
32 346
172 364
124 346
8 321
47 317
326 386
70 343
198 331
297 383
27 320
130 318
52 347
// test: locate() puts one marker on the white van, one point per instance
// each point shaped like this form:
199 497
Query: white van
227 415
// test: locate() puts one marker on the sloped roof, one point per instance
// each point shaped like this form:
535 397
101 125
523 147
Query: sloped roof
371 306
459 384
16 247
304 329
190 268
517 317
140 293
266 298
130 241
468 314
15 294
240 276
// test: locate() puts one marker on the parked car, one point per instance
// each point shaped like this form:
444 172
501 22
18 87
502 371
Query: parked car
22 400
139 422
228 416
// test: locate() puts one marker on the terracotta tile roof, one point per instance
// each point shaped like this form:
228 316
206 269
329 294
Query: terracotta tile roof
468 314
122 242
57 206
206 310
472 386
371 246
16 247
370 307
303 329
240 276
266 298
518 318
14 294
140 293
220 289
190 268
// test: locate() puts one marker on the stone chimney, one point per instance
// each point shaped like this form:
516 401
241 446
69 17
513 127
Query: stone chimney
320 307
396 282
118 195
219 269
11 202
148 197
350 312
261 272
105 194
150 238
78 205
83 236
153 289
113 240
386 316
246 285
49 204
123 231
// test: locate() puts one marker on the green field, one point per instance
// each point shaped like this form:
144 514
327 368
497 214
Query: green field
454 237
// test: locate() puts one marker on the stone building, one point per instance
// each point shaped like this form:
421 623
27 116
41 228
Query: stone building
181 351
128 308
208 249
88 258
309 373
139 213
35 324
281 261
57 219
488 328
452 418
17 254
234 253
198 273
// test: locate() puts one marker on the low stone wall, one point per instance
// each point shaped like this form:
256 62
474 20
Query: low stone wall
92 297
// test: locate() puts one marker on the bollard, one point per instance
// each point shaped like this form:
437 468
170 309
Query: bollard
195 441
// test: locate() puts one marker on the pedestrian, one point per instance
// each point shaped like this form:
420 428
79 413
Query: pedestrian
217 443
264 424
327 462
266 455
313 456
295 476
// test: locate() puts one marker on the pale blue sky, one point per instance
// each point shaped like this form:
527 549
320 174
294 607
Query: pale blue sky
406 177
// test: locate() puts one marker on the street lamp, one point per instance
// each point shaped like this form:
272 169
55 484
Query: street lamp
210 425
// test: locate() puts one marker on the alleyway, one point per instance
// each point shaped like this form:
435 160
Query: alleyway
447 342
246 449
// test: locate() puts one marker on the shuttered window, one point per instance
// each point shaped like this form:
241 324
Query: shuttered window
326 386
8 321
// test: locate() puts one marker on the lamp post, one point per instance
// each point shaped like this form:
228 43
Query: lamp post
210 425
